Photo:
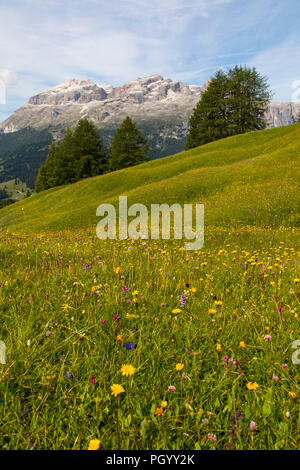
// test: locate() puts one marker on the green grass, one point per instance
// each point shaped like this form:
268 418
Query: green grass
61 289
16 191
46 289
247 179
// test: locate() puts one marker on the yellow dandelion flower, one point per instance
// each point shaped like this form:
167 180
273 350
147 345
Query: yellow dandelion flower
218 303
116 389
164 404
135 293
94 444
66 307
296 280
243 344
179 366
176 310
292 395
212 310
127 369
218 347
119 338
252 386
118 270
193 289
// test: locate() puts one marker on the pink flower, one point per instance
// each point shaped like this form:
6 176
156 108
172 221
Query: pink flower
252 426
92 379
275 378
103 321
212 437
268 337
172 388
284 366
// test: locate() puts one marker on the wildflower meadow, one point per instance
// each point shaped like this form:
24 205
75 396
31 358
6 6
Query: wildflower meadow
124 344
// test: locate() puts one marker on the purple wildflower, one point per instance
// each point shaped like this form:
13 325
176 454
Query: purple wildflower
129 346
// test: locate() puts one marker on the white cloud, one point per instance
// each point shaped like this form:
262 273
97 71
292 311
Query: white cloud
50 41
281 65
8 77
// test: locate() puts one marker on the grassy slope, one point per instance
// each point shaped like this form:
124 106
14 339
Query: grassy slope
15 191
247 179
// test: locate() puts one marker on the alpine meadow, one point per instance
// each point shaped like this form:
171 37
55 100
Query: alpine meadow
150 230
134 344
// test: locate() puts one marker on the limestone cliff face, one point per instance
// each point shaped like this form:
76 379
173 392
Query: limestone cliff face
162 106
73 91
145 98
282 114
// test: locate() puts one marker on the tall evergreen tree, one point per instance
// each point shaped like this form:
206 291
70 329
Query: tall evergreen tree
47 172
209 119
79 155
128 147
248 100
234 102
65 162
88 151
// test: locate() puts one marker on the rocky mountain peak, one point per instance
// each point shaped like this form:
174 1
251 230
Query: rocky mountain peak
71 91
146 99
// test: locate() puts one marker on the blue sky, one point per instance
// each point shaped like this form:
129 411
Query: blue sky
44 43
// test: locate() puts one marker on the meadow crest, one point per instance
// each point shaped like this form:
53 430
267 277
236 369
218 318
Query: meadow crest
142 345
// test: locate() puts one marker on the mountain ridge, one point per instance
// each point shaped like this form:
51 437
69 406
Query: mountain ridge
144 99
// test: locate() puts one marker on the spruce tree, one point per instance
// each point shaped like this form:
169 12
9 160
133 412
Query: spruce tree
209 119
234 102
128 147
248 100
65 165
79 155
47 173
88 151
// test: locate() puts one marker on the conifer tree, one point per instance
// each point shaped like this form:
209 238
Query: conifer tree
47 172
248 100
209 119
79 155
128 147
65 165
88 151
234 102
